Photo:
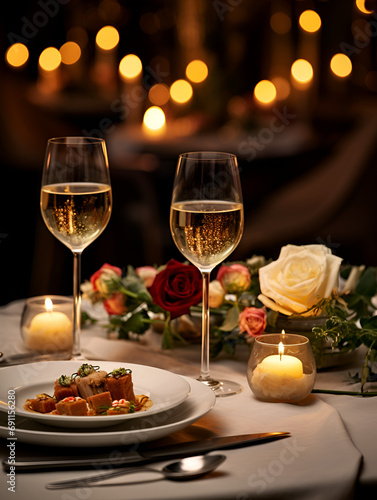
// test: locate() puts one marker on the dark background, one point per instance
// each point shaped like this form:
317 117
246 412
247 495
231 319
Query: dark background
315 182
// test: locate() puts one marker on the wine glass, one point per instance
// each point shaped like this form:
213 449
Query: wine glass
206 222
76 203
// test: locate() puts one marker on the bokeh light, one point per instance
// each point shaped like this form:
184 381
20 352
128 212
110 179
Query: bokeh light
159 94
197 71
302 71
130 66
283 88
360 4
341 65
265 92
107 38
310 21
154 119
50 59
181 91
17 55
280 22
70 53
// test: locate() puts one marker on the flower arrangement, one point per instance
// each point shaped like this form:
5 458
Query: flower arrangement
247 298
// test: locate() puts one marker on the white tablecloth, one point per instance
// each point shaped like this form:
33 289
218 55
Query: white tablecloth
332 453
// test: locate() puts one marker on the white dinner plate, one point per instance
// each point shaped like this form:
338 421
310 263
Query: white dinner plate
166 390
148 428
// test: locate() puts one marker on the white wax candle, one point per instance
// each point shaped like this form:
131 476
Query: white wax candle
50 329
284 366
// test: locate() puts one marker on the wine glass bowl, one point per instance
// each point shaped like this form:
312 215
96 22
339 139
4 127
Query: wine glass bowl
76 202
206 222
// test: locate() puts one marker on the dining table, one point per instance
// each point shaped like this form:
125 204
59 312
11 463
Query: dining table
331 452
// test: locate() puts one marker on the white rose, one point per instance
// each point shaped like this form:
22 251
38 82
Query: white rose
300 277
216 294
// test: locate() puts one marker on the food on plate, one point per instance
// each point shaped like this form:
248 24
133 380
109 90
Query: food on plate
91 391
89 380
65 387
119 384
73 406
43 403
98 402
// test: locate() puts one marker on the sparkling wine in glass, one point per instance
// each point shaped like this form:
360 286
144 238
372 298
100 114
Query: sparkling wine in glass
76 203
206 222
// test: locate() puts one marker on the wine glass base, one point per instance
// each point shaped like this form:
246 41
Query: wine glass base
222 388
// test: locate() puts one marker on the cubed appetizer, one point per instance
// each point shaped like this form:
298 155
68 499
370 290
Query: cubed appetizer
65 387
119 384
72 406
43 403
120 407
89 380
99 402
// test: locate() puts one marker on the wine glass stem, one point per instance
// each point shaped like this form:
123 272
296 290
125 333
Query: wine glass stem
204 369
76 349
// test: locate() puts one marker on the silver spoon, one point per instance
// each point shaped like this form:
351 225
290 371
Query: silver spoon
187 468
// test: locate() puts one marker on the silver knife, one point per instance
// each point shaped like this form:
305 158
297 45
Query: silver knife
144 454
31 357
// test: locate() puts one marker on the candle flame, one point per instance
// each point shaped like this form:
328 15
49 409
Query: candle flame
48 304
281 349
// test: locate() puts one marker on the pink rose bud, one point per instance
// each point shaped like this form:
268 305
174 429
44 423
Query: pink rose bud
147 274
105 273
235 278
115 304
216 294
253 321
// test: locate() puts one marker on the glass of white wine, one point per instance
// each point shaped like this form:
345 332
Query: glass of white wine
206 222
76 203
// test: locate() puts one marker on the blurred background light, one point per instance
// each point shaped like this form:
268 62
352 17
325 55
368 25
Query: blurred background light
197 71
130 66
70 53
341 65
159 94
265 92
280 22
17 55
360 4
302 71
107 38
50 59
154 119
310 21
181 91
283 88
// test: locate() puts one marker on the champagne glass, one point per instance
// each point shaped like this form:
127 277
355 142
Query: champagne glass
76 203
206 222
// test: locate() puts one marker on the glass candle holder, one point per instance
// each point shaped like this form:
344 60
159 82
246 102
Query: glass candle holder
281 368
46 324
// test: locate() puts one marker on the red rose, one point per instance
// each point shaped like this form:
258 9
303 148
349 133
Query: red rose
177 288
115 304
253 321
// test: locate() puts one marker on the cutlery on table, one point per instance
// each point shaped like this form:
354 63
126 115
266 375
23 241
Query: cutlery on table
183 470
145 454
30 357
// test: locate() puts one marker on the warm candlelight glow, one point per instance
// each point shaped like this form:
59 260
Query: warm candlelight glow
107 38
197 71
48 304
50 59
154 119
283 88
360 4
130 66
280 22
265 92
310 21
159 94
181 91
17 55
302 71
70 53
341 65
281 349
